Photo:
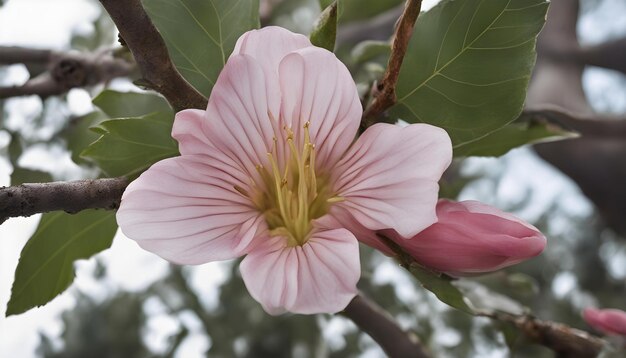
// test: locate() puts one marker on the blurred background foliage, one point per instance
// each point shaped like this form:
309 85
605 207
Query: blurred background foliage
583 265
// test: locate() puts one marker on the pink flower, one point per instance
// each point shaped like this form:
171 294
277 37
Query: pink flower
471 237
270 171
611 321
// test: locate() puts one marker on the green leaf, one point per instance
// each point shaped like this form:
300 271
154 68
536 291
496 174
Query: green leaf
78 136
442 287
129 146
510 136
325 3
368 50
325 28
15 148
355 10
24 175
103 34
522 284
45 268
130 104
201 34
511 334
468 66
486 301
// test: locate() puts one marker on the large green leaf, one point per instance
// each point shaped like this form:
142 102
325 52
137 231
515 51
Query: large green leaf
128 146
201 34
468 66
354 10
78 136
45 268
511 136
130 104
370 50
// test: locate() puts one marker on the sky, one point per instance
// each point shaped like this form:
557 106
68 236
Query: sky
50 23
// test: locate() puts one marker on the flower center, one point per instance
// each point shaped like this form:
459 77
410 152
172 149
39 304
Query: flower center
296 195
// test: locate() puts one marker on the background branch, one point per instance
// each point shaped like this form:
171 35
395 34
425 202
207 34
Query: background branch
149 50
385 92
564 340
375 321
72 197
591 160
14 54
64 70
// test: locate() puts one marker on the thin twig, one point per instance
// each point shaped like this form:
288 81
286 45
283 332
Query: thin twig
64 70
376 322
564 340
385 95
148 47
72 197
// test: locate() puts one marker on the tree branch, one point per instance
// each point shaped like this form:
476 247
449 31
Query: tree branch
592 160
72 197
373 320
564 340
611 55
385 92
150 52
13 54
65 70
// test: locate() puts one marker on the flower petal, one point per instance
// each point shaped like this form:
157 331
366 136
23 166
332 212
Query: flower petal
269 45
477 207
317 88
341 218
388 178
188 131
317 277
240 113
612 321
186 210
471 237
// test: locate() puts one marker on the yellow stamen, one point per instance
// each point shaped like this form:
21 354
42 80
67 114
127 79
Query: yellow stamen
296 195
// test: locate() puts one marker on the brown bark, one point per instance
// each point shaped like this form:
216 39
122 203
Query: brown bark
385 91
149 50
376 322
64 70
565 341
72 197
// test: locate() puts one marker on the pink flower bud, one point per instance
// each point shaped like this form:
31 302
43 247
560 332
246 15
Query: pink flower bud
470 238
611 321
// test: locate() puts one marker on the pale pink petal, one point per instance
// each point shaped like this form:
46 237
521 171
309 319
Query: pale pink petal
317 88
188 131
186 210
269 45
341 218
317 277
239 115
389 177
